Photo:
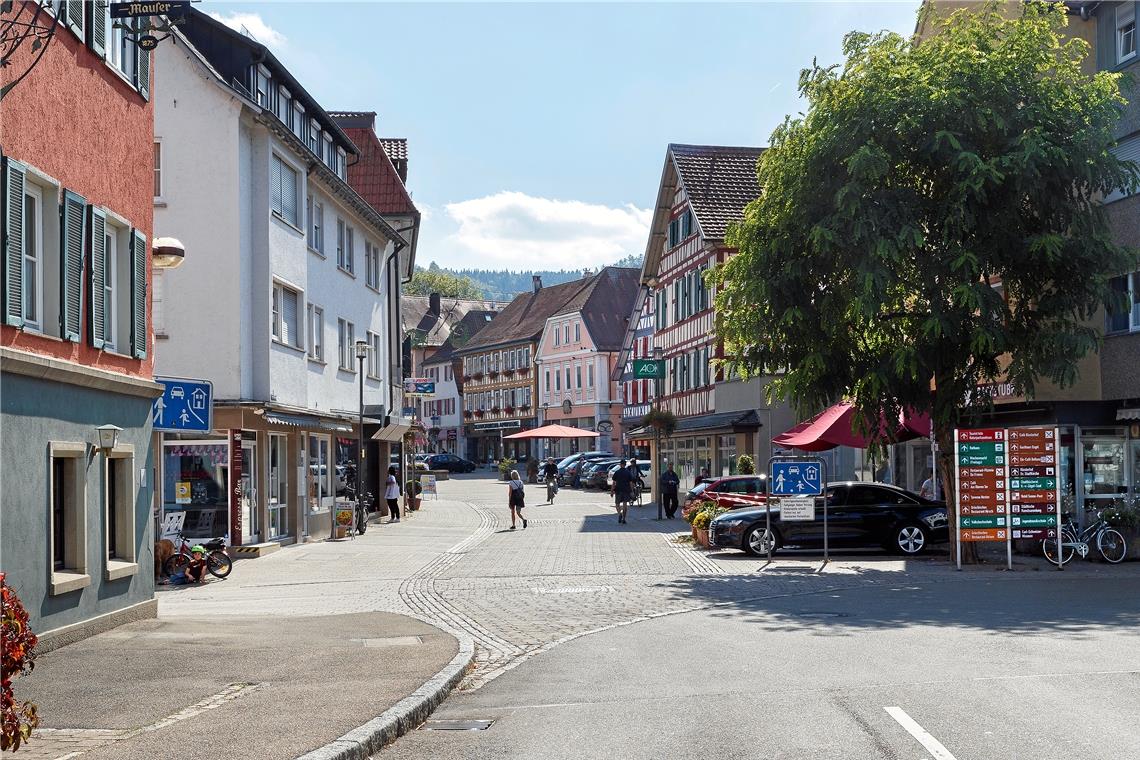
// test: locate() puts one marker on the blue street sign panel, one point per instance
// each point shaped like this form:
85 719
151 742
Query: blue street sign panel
796 479
185 405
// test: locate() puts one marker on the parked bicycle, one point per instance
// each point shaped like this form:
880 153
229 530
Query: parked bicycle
360 507
217 561
1108 541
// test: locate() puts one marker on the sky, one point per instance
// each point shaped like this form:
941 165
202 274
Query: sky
537 132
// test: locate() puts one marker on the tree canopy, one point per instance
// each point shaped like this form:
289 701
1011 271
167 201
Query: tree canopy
932 221
425 282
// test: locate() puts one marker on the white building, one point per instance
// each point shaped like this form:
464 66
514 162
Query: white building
291 269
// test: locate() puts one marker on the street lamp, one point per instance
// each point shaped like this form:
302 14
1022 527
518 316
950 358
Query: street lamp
106 436
361 355
658 356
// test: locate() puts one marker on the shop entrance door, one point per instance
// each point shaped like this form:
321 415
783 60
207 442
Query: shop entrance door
278 486
249 512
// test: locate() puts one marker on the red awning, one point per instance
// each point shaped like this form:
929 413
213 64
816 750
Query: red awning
834 427
553 431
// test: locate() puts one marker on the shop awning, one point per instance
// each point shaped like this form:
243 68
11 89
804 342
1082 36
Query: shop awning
833 427
553 431
1128 414
394 429
310 423
725 422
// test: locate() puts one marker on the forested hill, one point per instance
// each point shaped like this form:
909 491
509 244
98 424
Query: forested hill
503 285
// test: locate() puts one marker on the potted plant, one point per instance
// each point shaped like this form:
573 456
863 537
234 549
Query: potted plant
509 410
746 465
700 518
412 491
493 374
494 410
477 376
508 373
18 652
468 413
524 371
478 412
505 465
1124 516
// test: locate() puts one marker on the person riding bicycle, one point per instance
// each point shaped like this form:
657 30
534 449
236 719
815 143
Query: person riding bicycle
550 470
196 570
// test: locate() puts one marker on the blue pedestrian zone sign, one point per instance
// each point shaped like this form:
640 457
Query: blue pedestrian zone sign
185 406
796 479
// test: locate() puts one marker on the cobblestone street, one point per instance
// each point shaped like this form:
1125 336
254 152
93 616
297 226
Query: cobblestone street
573 571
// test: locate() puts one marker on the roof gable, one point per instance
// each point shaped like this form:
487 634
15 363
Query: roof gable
719 182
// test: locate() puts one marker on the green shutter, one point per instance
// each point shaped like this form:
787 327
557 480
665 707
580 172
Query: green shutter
72 242
138 295
142 66
97 27
97 293
1106 37
12 241
71 12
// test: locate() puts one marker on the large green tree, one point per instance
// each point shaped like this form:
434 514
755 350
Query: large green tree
427 281
931 222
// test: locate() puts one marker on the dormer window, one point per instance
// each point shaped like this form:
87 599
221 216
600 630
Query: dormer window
341 164
327 155
314 137
300 125
285 107
260 77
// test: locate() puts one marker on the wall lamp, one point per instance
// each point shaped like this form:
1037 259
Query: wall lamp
167 252
106 436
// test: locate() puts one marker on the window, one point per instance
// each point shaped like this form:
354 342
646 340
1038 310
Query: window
589 375
68 518
1127 319
110 282
316 333
327 150
577 332
300 124
1125 31
578 375
374 355
284 185
557 380
557 336
118 506
33 293
341 167
371 265
566 333
260 77
284 108
346 337
674 233
548 381
567 377
314 140
317 225
286 308
344 253
157 169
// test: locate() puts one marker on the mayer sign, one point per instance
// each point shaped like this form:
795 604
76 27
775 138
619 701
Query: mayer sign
419 386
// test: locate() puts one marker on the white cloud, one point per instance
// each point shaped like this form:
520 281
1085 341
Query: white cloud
255 25
514 230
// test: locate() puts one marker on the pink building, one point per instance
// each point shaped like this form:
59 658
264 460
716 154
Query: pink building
577 352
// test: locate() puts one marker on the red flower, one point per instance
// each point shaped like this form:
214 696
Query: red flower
18 644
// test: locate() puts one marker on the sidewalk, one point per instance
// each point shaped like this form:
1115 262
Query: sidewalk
264 686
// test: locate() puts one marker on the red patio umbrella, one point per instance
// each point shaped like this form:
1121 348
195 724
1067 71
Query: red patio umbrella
834 427
552 431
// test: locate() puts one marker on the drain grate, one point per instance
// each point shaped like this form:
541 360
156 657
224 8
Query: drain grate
808 613
457 725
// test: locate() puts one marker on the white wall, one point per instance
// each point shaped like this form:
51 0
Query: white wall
197 122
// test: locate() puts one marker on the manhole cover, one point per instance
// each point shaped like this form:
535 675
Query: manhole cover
457 725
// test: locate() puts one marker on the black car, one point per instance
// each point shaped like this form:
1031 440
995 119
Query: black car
450 462
594 473
858 515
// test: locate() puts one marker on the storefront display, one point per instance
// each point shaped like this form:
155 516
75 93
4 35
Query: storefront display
196 482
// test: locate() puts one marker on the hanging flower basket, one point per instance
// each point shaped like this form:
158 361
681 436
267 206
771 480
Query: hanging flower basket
524 371
494 410
477 376
509 410
468 413
508 373
662 419
466 378
479 413
524 407
493 374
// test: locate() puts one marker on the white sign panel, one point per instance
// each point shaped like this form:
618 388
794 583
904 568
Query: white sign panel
797 509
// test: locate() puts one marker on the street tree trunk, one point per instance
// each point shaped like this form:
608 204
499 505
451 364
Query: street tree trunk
945 465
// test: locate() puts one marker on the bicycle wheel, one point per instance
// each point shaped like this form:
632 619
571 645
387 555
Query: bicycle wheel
1049 547
175 564
219 564
1111 545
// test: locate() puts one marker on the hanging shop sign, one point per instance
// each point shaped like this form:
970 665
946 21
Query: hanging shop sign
170 8
419 386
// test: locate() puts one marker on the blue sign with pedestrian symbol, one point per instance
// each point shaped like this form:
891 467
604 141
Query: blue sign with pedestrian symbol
796 479
185 406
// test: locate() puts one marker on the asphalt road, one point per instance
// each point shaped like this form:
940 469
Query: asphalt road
1022 666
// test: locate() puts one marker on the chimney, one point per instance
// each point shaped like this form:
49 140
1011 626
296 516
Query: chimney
433 304
537 279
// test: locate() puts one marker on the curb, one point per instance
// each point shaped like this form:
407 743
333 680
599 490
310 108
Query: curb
362 742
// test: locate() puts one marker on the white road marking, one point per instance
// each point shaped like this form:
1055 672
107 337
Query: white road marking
933 746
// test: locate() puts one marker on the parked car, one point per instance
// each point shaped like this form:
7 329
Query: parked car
859 515
450 462
730 491
643 465
594 473
569 466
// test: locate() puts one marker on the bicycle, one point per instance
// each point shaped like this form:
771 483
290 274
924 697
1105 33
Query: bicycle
1109 542
360 507
551 488
217 561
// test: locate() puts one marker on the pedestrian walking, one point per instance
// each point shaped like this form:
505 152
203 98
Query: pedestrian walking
669 485
515 498
926 491
392 495
622 491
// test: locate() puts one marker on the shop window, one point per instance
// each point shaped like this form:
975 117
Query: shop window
68 518
321 471
195 488
1104 466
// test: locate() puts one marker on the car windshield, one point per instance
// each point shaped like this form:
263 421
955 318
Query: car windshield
698 489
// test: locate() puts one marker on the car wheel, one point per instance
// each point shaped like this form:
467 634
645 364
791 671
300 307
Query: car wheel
756 544
910 539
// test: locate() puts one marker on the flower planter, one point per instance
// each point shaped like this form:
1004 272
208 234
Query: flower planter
701 536
509 410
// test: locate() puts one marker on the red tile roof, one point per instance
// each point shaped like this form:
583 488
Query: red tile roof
374 176
720 182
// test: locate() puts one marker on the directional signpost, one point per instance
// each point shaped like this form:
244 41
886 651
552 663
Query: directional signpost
797 481
981 472
184 406
1034 488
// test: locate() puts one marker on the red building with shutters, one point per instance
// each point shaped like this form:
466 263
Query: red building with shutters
77 175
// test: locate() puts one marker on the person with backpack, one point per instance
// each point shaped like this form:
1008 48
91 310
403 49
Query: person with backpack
392 495
622 490
515 498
